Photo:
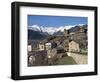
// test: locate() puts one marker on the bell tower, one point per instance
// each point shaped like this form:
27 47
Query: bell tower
81 29
65 32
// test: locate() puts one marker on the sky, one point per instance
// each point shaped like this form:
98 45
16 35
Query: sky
55 21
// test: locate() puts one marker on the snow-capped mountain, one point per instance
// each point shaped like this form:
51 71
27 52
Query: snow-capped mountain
34 27
40 32
49 30
52 30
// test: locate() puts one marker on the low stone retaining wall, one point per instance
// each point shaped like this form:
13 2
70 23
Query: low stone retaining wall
79 58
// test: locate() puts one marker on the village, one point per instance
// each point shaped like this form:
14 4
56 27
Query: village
55 50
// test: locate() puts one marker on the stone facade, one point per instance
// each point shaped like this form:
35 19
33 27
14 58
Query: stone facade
41 46
48 46
65 32
37 58
65 45
74 47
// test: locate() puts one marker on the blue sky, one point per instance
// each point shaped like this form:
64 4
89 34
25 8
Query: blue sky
55 21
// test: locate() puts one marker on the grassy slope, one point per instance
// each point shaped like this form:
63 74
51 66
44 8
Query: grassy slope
65 61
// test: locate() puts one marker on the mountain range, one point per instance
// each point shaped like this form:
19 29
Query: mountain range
37 33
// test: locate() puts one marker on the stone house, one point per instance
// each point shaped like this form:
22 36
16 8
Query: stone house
32 45
66 32
80 37
74 46
48 46
41 46
29 48
65 45
52 53
37 58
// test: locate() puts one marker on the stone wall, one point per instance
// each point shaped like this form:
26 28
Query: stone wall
79 58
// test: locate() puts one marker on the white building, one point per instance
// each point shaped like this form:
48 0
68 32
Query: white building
48 46
29 48
41 46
